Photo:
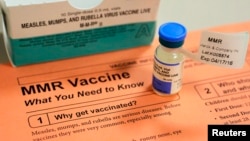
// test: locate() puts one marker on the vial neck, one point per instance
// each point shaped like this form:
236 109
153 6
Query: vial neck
171 44
176 50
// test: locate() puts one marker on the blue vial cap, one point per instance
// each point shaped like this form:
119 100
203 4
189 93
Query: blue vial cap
172 34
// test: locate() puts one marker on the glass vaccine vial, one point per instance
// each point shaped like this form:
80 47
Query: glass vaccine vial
168 62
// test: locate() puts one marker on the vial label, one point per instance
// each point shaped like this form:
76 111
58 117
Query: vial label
223 49
167 78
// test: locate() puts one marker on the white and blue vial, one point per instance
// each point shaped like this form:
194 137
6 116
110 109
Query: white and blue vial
168 62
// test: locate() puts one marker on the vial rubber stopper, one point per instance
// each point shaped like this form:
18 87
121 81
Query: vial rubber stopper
172 34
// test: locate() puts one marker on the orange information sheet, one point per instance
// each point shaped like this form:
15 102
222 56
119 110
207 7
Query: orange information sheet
109 97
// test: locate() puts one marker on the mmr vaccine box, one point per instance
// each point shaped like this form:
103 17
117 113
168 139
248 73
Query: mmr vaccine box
45 30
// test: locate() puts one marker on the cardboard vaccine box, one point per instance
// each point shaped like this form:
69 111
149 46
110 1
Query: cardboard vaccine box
46 30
